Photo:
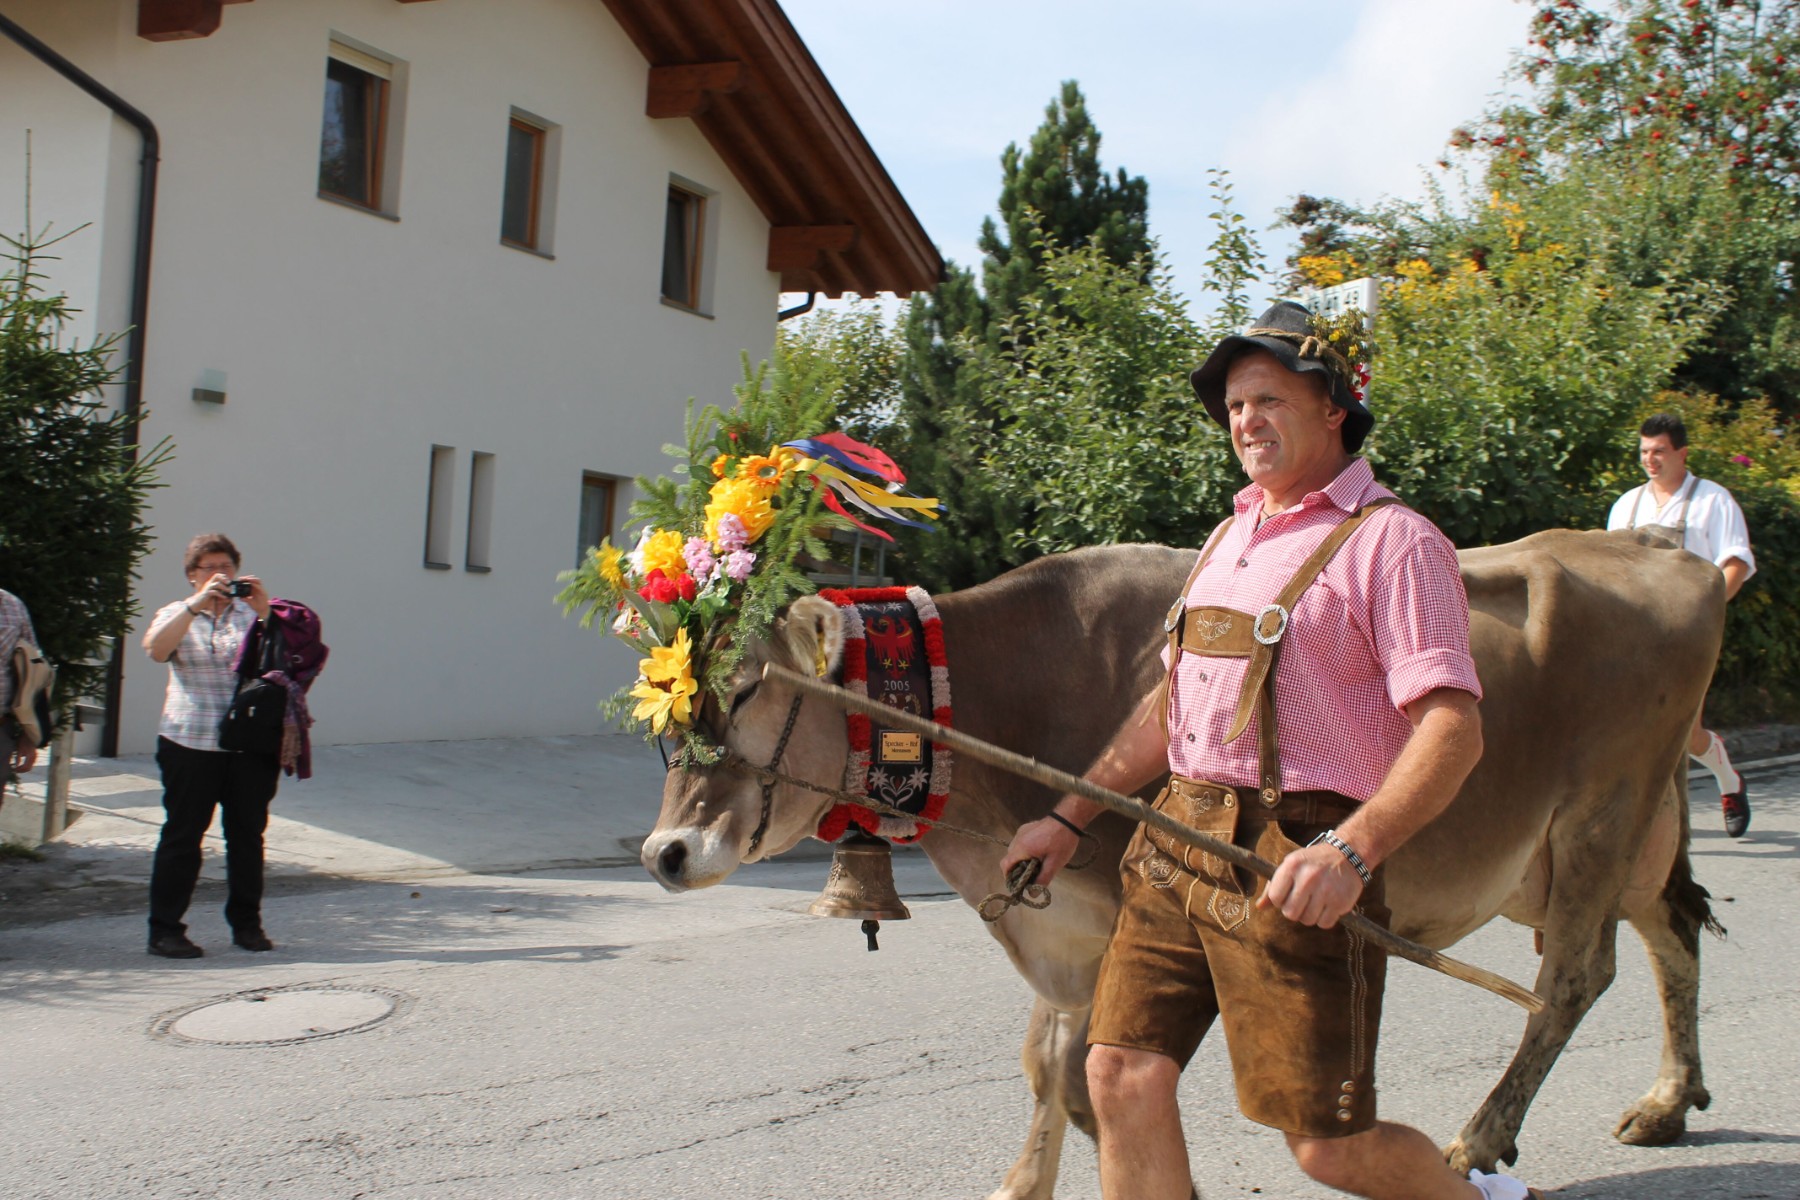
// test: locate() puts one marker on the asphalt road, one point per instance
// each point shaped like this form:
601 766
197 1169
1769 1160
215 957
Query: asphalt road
581 1034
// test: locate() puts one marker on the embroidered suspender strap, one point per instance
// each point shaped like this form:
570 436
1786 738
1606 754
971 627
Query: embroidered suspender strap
1270 625
1175 624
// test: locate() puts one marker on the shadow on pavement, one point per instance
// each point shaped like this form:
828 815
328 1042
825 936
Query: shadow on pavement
1745 1181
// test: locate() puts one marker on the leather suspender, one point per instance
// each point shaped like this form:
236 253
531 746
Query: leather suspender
1226 633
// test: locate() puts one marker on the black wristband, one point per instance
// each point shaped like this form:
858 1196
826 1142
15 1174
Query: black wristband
1330 838
1067 824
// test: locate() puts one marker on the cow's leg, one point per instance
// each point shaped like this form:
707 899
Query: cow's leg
1673 939
1579 960
1054 1055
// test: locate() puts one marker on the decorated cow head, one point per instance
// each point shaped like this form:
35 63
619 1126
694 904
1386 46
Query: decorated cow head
715 588
720 814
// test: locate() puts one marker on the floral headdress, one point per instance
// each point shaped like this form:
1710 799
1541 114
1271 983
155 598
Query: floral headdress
718 556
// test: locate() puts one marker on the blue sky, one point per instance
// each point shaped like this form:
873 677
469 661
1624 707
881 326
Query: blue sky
1346 98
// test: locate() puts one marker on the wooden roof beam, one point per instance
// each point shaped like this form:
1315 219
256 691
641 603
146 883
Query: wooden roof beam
800 248
177 20
687 90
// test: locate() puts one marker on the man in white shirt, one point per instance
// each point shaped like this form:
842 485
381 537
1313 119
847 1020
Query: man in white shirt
1712 526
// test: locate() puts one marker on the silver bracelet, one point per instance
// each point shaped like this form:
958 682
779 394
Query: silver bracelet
1330 838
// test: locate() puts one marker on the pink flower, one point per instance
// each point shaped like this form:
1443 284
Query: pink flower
733 536
1742 460
699 558
738 564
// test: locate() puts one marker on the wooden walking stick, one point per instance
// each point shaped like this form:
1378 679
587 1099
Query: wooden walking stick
1137 810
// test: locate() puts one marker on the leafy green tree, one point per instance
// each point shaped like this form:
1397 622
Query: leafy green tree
1102 439
1675 123
71 528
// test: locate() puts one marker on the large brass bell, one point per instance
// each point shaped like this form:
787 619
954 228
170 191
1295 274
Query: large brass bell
861 885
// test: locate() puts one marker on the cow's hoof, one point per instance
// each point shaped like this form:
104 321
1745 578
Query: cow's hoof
1464 1157
1642 1127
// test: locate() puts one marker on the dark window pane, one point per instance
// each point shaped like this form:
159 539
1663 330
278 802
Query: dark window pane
596 512
347 149
516 214
678 248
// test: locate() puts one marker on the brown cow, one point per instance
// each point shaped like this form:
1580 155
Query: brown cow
1574 819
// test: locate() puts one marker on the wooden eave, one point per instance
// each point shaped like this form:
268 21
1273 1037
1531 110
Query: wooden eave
740 72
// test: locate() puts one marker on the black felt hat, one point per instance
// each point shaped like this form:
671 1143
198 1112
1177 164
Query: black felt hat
1288 332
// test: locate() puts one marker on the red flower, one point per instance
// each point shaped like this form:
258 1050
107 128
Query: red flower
685 587
659 588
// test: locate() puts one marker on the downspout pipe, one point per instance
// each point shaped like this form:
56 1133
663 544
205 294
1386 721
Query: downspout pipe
140 297
805 306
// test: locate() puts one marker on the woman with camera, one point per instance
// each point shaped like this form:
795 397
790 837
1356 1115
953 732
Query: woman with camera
200 637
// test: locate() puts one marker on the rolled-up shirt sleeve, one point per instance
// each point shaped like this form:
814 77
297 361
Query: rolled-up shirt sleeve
1729 532
1419 621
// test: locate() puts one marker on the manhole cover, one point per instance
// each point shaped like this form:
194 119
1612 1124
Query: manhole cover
280 1016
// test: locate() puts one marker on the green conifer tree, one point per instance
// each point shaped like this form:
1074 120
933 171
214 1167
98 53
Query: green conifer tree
71 528
1055 184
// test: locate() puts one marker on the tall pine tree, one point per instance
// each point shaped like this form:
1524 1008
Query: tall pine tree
1055 183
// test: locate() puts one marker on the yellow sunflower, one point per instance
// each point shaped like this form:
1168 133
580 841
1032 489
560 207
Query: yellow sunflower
666 685
770 470
746 498
662 552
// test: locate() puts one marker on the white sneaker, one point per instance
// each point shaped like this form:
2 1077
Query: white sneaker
1501 1187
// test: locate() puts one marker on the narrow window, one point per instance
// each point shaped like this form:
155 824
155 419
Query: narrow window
439 498
596 512
481 512
681 247
353 143
523 203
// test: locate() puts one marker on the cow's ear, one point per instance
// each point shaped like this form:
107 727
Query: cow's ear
813 634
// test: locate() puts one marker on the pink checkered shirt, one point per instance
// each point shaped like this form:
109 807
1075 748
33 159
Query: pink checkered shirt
1386 622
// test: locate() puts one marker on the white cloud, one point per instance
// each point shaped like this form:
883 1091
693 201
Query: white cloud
1382 108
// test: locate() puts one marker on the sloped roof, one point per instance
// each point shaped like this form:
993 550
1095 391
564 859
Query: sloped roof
740 72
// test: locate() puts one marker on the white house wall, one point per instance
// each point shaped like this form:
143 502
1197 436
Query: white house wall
351 344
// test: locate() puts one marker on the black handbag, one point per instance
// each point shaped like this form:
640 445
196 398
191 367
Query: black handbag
252 724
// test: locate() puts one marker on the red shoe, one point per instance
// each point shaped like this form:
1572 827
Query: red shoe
1737 810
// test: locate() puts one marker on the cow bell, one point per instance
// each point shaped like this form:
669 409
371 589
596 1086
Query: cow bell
861 885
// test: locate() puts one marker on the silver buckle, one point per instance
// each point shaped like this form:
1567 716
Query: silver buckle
1256 630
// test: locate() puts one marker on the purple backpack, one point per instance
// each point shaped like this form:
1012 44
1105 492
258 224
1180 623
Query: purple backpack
302 653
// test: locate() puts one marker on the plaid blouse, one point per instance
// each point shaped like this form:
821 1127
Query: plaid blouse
202 673
15 623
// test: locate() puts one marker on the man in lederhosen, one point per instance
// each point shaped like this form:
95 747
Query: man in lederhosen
1346 612
1711 525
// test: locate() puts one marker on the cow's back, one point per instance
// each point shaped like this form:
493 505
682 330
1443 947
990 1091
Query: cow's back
1594 651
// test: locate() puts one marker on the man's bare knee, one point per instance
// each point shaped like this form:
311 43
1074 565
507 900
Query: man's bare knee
1120 1077
1330 1161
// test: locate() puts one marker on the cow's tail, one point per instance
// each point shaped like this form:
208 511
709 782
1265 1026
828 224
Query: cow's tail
1690 904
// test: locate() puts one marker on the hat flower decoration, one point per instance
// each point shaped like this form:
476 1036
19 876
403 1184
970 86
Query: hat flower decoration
721 545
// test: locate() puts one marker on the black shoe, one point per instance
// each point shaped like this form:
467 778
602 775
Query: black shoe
252 939
1737 810
174 945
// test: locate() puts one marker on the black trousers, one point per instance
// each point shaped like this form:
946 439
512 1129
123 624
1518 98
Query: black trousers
194 783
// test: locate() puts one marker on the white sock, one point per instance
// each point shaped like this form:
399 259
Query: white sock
1499 1187
1714 759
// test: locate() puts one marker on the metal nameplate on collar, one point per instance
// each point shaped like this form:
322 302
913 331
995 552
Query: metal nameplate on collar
1281 624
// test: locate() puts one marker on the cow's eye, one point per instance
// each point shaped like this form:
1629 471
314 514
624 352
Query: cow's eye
738 700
